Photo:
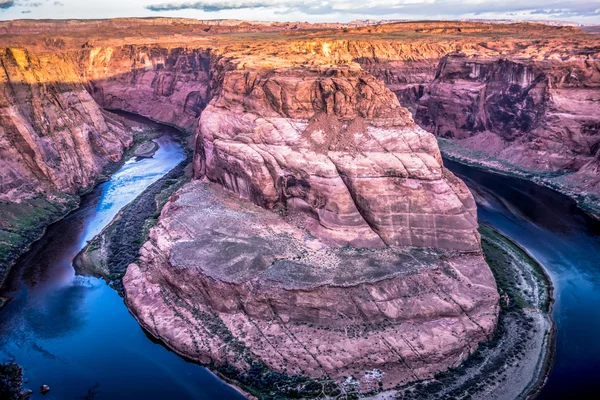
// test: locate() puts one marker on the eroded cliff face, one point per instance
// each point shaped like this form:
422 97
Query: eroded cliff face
335 144
167 84
55 134
521 106
534 117
54 141
371 266
232 285
540 116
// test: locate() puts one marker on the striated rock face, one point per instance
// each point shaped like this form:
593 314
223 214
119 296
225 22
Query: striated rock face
230 284
499 96
53 133
335 144
332 151
54 141
543 114
170 85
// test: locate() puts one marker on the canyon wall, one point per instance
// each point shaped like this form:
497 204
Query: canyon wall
56 137
544 113
166 84
322 237
55 134
535 117
54 142
371 266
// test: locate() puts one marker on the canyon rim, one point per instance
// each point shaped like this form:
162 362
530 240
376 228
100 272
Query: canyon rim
320 241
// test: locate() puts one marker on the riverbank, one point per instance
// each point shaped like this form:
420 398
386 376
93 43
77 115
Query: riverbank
109 253
26 222
515 362
11 382
589 202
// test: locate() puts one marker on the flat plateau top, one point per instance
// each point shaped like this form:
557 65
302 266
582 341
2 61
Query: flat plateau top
56 35
233 241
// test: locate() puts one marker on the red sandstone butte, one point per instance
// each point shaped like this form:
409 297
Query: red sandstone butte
322 235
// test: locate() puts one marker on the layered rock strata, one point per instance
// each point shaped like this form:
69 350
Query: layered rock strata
170 85
534 117
371 266
53 133
54 141
537 115
227 283
336 144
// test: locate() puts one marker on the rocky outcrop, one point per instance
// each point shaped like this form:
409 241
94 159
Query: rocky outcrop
233 285
543 114
11 382
536 118
170 85
54 141
329 147
371 267
53 133
335 144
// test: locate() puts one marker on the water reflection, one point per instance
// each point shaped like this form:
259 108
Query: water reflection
74 333
566 241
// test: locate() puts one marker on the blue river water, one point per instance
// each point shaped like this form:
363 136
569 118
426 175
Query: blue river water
75 333
566 241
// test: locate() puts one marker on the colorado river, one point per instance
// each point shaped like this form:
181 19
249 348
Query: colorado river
566 241
74 333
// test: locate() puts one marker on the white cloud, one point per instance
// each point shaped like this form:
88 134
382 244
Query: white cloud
308 10
423 8
4 4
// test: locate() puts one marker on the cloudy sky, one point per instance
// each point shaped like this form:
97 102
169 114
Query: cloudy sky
586 11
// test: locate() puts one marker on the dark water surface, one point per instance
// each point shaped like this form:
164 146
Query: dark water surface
74 333
566 241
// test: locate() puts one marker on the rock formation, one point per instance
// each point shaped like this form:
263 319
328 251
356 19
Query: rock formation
235 286
322 236
519 104
54 134
343 164
336 144
54 142
170 85
540 116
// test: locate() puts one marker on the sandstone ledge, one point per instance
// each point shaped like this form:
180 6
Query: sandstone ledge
225 282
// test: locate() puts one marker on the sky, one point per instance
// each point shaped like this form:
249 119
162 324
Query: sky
584 11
